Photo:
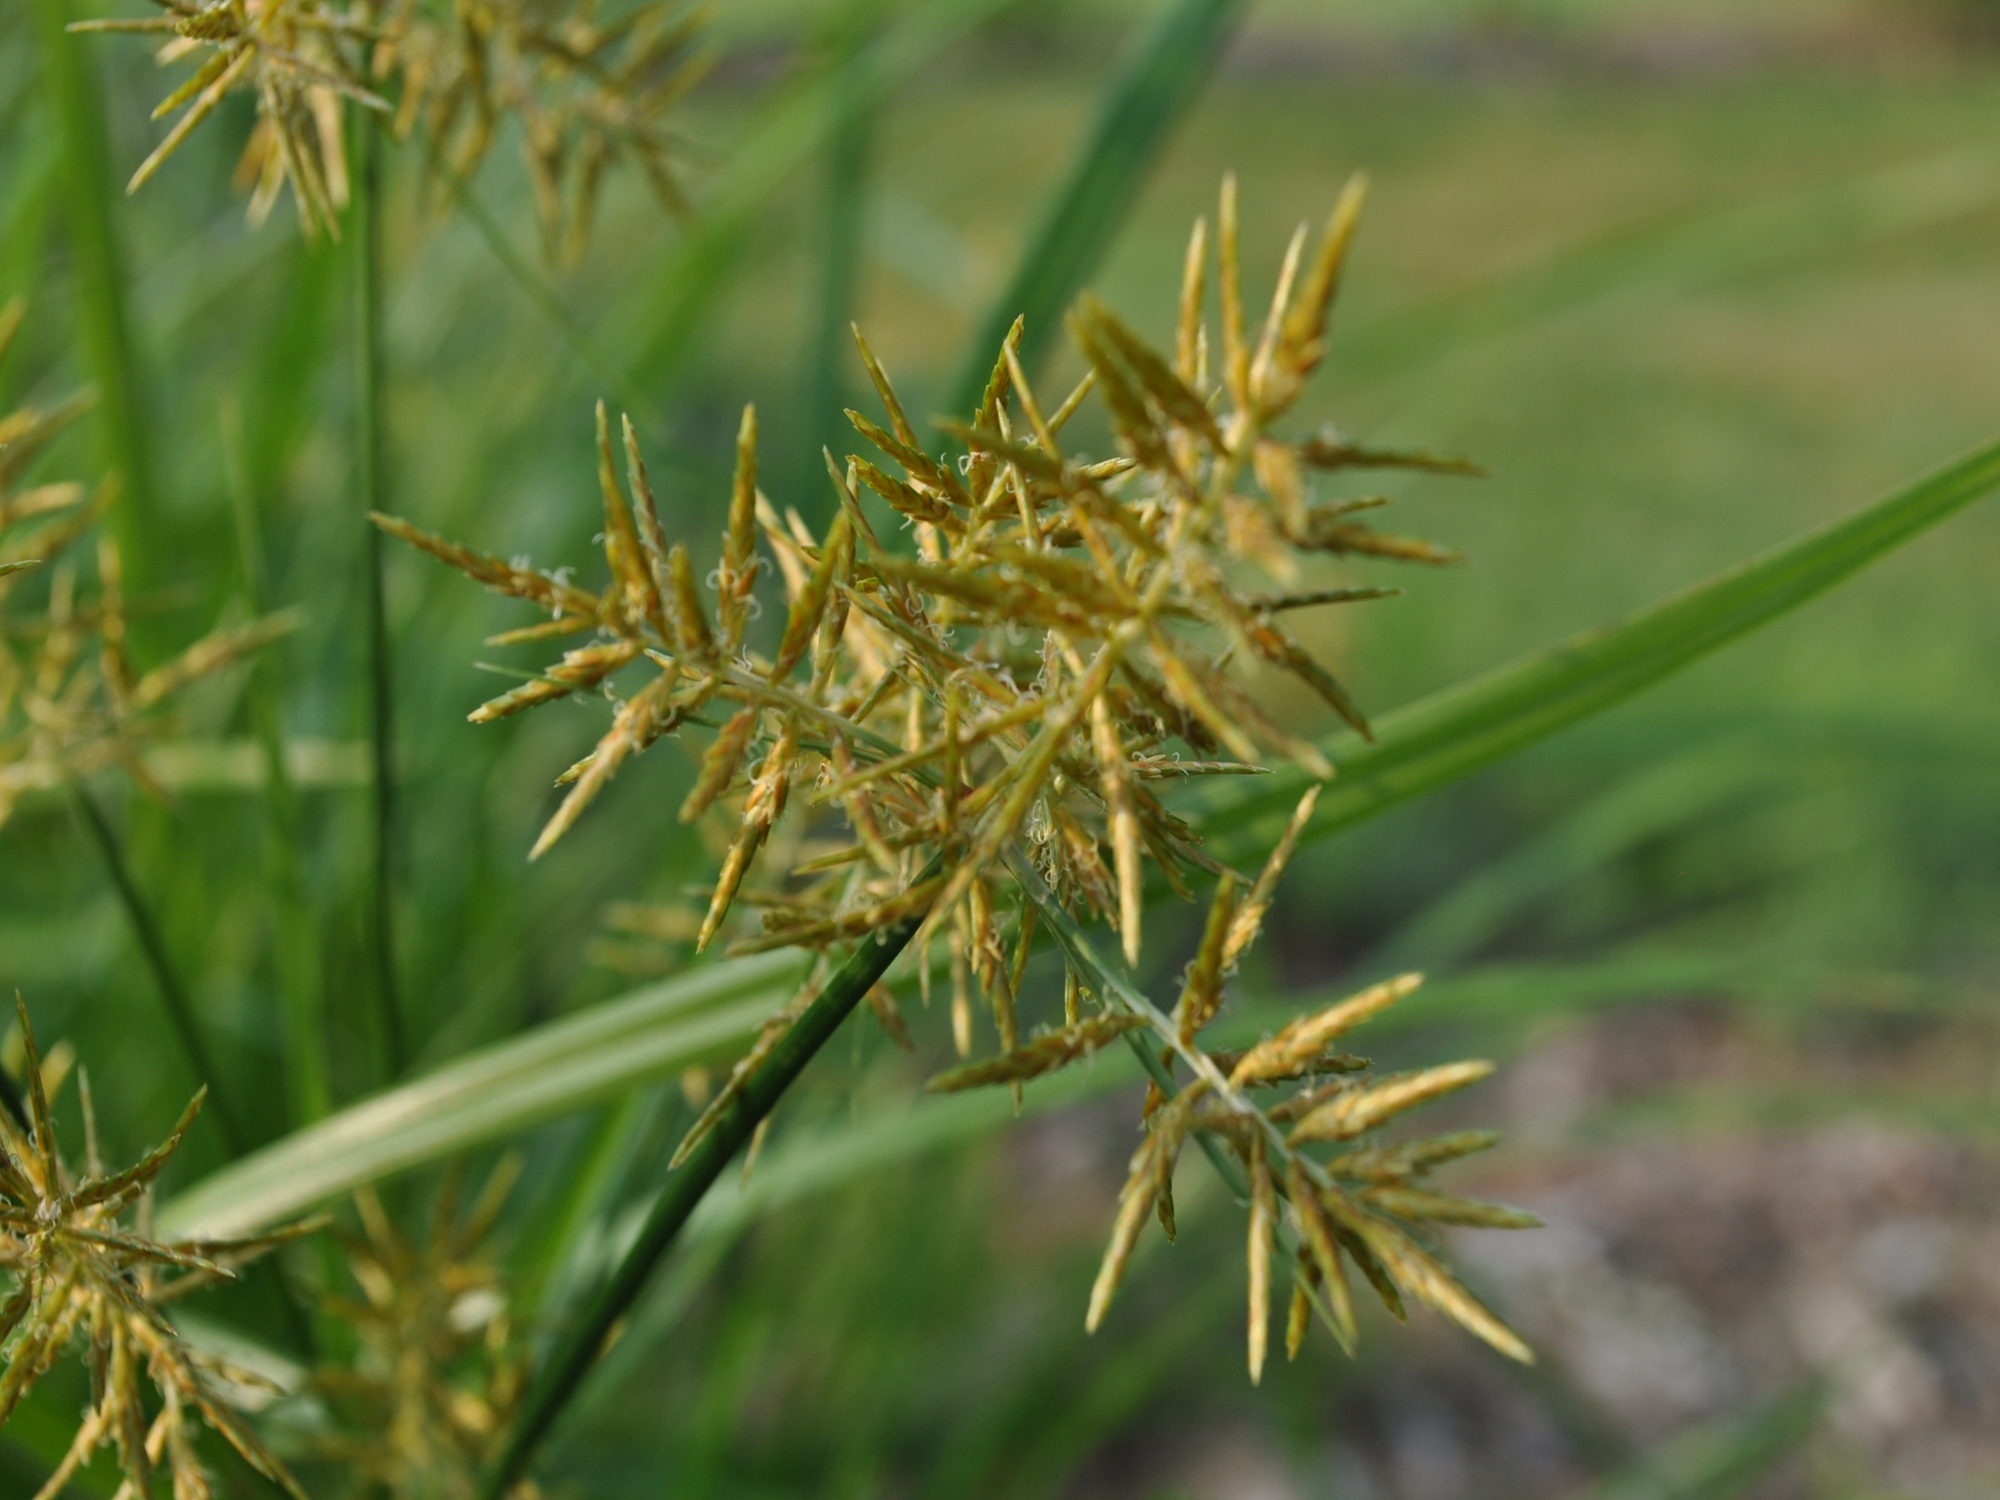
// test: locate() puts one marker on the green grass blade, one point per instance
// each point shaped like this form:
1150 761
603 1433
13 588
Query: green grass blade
1779 234
545 1272
1724 1458
370 413
294 936
1158 84
669 311
90 194
492 1094
1655 800
27 208
1449 735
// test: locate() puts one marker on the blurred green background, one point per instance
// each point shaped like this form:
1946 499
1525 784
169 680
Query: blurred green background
1690 278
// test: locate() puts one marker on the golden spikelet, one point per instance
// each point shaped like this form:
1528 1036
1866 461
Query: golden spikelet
85 1275
587 93
1263 1212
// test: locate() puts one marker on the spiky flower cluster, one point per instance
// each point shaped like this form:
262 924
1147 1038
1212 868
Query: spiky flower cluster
1005 706
71 702
1359 1202
83 1275
585 90
438 1372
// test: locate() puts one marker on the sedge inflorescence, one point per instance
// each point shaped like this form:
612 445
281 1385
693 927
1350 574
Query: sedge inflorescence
585 90
973 736
72 704
439 1371
87 1271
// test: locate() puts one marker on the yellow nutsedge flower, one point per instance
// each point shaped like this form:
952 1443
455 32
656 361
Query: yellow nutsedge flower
1054 651
72 703
1011 699
586 92
85 1276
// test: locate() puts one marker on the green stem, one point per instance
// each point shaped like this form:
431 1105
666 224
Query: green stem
364 222
562 1374
89 193
294 939
179 1012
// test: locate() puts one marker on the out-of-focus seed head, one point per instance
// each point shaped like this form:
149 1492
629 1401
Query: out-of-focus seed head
1010 701
73 703
586 92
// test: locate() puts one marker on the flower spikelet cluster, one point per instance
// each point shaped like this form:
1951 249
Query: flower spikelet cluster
72 703
84 1276
1358 1202
438 1372
995 712
586 90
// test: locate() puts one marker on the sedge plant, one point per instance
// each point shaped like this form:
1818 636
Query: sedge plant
1009 721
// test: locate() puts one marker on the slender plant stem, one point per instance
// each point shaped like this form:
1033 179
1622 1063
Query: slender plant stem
365 228
179 1012
294 938
562 1374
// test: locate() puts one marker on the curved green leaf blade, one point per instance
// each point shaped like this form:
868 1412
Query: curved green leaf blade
491 1094
1159 83
102 309
1722 1458
1463 729
1768 237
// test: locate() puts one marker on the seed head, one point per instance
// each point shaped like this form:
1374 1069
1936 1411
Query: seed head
586 92
88 1273
1009 703
72 701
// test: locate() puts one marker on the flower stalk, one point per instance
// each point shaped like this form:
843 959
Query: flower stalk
563 1372
365 224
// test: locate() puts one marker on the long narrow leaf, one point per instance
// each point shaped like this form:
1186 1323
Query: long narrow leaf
370 464
1158 84
1722 1458
90 192
1777 234
669 311
1655 800
1450 735
494 1093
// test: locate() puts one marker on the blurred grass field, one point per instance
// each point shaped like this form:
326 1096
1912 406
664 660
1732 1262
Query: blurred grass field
1688 281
